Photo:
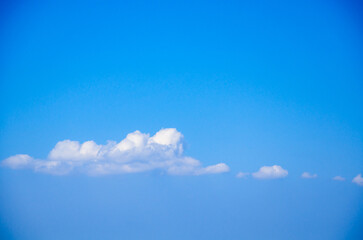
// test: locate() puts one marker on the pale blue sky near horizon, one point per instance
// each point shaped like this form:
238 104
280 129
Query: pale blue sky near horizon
249 84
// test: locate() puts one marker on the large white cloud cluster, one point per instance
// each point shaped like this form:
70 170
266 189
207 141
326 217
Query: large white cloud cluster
138 152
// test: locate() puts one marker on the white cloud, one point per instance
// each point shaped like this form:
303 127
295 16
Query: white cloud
338 178
242 175
308 175
138 152
18 161
358 180
65 150
270 172
218 168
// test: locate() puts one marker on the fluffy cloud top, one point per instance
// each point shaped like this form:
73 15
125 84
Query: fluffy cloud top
358 180
270 172
138 152
308 175
338 178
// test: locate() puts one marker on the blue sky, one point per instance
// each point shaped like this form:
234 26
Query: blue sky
223 88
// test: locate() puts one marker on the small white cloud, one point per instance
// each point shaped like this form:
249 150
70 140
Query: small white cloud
242 175
338 178
18 161
138 152
308 175
218 168
270 172
358 180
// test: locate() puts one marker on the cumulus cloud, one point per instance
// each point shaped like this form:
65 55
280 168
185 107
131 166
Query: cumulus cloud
338 178
270 172
18 161
138 152
308 175
242 175
358 180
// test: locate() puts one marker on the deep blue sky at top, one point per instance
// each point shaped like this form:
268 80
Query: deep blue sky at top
239 78
248 83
